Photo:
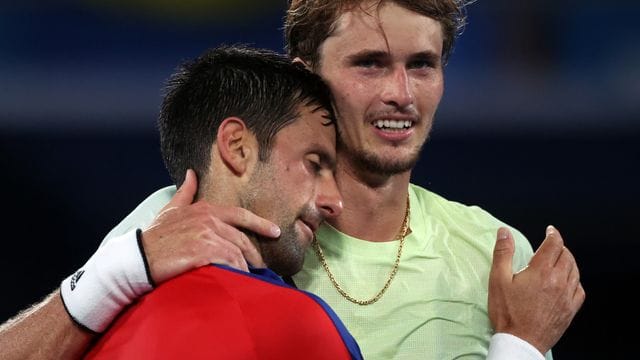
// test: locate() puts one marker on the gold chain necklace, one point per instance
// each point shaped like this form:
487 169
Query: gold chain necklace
401 235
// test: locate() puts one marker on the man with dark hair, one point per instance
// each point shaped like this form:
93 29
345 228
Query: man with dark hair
234 115
233 118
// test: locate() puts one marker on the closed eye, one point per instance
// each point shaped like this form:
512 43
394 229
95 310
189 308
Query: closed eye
320 160
315 166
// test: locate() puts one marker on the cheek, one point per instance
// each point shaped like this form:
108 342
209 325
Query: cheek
429 95
352 97
295 177
346 84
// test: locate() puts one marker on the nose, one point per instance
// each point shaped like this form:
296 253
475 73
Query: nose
397 89
329 199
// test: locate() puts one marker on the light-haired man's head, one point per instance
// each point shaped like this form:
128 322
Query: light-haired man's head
383 60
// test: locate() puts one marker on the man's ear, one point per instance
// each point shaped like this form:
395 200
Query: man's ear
236 144
298 60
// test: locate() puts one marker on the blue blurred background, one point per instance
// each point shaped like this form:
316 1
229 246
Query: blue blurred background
539 124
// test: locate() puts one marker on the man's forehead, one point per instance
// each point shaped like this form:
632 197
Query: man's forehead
391 25
314 112
316 120
310 133
311 118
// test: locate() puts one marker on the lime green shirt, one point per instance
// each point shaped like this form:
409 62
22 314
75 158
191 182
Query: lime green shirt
437 302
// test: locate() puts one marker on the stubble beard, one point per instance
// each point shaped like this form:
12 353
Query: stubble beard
371 162
284 255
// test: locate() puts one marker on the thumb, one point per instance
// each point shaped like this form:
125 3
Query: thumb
186 192
501 268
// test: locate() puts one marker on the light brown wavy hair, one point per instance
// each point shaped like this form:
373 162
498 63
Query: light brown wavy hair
308 23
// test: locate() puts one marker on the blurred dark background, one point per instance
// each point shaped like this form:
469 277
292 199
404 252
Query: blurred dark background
539 124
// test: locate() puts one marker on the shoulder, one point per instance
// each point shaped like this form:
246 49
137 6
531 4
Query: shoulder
471 222
144 213
434 205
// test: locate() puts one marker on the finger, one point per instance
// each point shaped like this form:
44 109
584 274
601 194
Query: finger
250 252
238 238
573 280
239 264
501 268
247 220
226 253
550 249
567 263
186 193
579 296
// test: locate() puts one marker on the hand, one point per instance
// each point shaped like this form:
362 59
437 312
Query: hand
186 235
538 303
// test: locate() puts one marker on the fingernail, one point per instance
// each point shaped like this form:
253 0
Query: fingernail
275 230
550 230
503 234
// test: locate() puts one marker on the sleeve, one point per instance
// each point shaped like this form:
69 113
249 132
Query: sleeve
143 215
508 347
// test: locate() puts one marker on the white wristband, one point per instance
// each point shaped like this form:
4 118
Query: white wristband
114 276
505 346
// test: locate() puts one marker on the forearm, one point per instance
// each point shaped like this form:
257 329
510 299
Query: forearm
44 331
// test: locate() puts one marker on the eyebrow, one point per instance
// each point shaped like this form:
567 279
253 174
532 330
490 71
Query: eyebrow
367 54
381 54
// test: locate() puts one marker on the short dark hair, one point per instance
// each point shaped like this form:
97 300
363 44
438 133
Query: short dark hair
259 86
309 23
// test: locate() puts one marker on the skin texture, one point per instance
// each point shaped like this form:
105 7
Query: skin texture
296 189
186 235
551 279
375 75
44 331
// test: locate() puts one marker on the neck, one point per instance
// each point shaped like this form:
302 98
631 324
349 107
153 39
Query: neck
374 205
225 193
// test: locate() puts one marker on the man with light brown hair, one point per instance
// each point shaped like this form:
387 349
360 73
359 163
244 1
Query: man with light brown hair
423 291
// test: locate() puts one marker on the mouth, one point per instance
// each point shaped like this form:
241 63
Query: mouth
312 226
394 128
392 125
306 231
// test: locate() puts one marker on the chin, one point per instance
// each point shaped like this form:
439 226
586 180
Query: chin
285 256
387 166
287 269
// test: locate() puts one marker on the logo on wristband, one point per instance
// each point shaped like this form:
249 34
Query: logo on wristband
75 278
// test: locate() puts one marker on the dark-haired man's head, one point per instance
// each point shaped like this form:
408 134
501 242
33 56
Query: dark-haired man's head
259 133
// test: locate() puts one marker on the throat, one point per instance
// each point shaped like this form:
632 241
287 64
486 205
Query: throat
372 213
372 221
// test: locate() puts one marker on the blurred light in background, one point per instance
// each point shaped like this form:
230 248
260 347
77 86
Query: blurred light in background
519 66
